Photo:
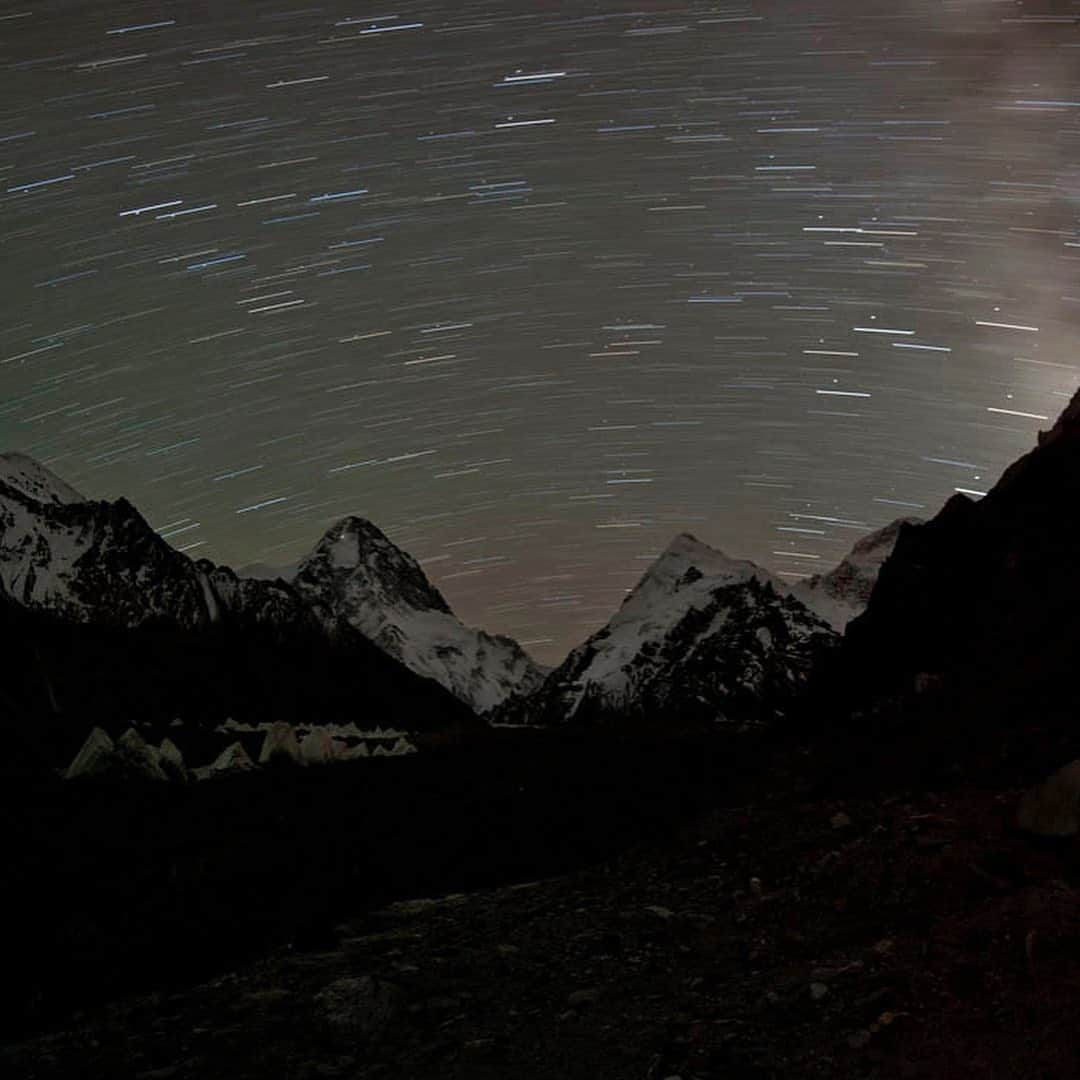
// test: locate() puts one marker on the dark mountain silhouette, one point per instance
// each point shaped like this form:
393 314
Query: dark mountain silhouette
974 623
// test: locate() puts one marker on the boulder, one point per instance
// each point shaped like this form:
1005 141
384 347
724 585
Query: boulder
1053 807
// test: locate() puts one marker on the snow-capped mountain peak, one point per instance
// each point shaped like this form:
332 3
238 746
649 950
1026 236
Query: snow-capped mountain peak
22 474
372 569
98 561
701 639
357 574
687 553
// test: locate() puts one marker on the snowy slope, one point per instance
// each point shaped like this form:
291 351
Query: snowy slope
844 591
702 638
355 573
100 562
88 560
95 561
22 474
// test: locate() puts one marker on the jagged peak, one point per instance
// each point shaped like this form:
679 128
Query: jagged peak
687 544
684 563
28 476
349 540
686 551
355 548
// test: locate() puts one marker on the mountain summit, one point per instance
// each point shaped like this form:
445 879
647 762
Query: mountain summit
706 639
100 562
357 574
702 639
373 572
90 561
103 620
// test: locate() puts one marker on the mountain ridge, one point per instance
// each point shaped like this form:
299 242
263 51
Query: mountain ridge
96 561
707 639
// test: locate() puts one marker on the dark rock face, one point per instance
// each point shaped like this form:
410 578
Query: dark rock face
983 602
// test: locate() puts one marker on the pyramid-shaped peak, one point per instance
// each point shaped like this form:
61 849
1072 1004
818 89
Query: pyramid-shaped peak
687 563
355 549
94 758
684 542
689 546
350 540
22 473
686 551
354 525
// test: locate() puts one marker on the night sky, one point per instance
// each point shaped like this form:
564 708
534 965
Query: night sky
537 285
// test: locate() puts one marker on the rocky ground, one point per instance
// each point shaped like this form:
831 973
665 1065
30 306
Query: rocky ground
804 936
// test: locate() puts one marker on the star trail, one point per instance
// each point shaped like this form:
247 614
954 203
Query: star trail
536 286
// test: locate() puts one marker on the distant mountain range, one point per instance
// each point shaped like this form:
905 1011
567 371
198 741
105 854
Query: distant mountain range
702 640
105 624
100 562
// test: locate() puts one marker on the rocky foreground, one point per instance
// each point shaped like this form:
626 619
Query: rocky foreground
814 934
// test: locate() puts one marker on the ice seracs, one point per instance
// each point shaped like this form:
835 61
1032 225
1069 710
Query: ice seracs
233 759
280 744
356 574
172 760
136 757
318 747
95 757
130 757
